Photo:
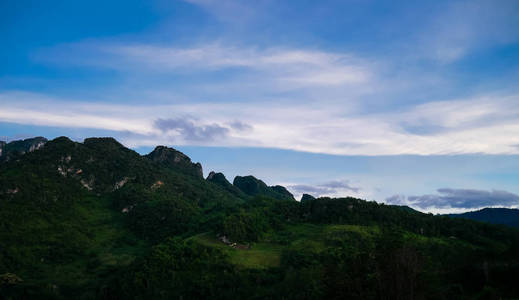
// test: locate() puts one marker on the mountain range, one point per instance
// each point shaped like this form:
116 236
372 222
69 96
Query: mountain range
96 220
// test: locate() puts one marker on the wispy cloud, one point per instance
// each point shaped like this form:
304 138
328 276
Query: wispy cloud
461 114
483 125
36 109
334 77
465 26
339 185
448 198
332 188
233 11
190 131
283 66
240 126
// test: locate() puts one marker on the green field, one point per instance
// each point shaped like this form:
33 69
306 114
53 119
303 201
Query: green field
267 252
260 256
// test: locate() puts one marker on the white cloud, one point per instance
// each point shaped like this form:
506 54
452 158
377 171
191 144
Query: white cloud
335 188
281 67
465 26
482 125
449 200
231 11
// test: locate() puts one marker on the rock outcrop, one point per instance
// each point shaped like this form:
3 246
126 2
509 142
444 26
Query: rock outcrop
306 197
252 186
2 145
283 191
220 180
15 149
175 160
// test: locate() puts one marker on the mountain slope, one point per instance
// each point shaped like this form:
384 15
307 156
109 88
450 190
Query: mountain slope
71 201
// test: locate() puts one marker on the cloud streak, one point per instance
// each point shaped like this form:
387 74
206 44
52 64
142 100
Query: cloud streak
285 66
191 131
461 28
331 188
231 11
458 198
483 125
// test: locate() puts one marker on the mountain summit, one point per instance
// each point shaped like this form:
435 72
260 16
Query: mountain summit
252 186
175 159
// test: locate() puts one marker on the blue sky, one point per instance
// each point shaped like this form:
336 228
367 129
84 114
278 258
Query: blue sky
407 102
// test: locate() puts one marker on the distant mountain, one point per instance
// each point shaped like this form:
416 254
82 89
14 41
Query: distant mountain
504 216
14 149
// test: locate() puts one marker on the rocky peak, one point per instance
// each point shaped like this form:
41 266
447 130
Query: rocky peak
220 180
104 142
60 145
2 144
307 197
28 145
252 186
20 147
211 175
62 139
217 177
176 160
283 191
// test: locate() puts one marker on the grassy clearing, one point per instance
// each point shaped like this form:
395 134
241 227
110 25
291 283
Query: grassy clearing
210 240
260 256
362 230
267 252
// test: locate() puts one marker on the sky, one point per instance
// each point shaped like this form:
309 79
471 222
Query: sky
403 102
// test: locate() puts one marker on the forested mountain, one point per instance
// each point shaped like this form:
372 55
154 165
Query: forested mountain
505 216
14 149
95 220
252 186
176 160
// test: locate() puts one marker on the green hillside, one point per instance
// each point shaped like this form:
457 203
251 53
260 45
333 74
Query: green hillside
95 220
504 216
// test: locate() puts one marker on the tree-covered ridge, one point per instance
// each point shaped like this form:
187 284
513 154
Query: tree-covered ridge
219 179
252 186
505 216
14 149
95 220
174 159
